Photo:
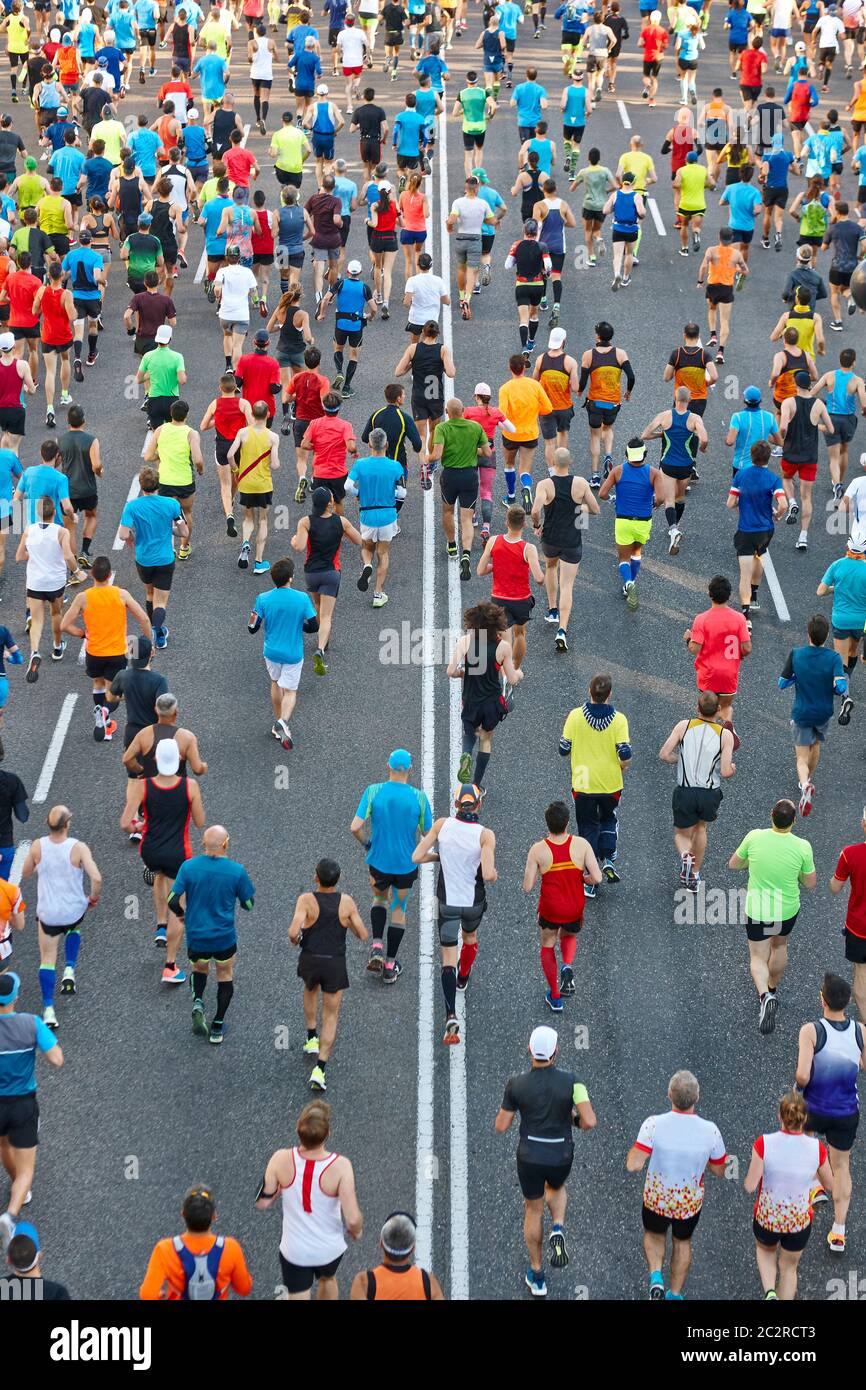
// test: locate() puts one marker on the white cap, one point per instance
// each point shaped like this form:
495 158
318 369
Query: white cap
557 338
543 1041
353 268
163 333
799 47
322 89
168 762
192 113
7 342
385 187
482 389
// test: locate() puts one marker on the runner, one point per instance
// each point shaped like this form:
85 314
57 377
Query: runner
286 615
818 676
397 1277
701 749
253 457
466 221
377 482
628 208
602 368
429 362
845 392
523 401
476 106
721 266
198 1264
226 416
561 898
683 433
511 562
480 659
598 181
690 182
849 869
60 864
20 1037
149 523
802 421
639 488
596 738
457 445
564 499
320 536
103 612
354 306
177 447
46 547
759 499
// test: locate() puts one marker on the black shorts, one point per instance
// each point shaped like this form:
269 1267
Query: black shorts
574 133
394 38
300 1278
85 504
408 161
459 485
262 500
600 416
748 543
557 261
518 611
327 973
56 347
19 1121
342 337
652 69
19 333
529 294
748 93
325 583
473 138
104 667
87 308
345 228
286 177
384 880
693 804
221 448
336 486
486 715
826 56
382 241
840 277
535 1177
680 1227
720 294
371 151
452 919
570 928
147 36
207 952
855 948
12 420
840 1131
844 429
571 555
774 197
263 258
690 65
424 409
789 1240
765 931
178 490
62 930
157 576
558 421
46 595
159 410
846 634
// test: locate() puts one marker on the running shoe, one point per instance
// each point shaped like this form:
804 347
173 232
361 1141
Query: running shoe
261 566
560 641
608 868
630 591
838 493
464 768
317 1079
160 640
148 875
184 550
852 307
552 616
765 242
566 980
616 282
364 578
386 312
173 977
50 421
465 309
767 1015
159 937
793 513
687 864
78 370
806 795
426 479
777 242
508 500
376 958
49 1017
311 1047
693 883
348 392
282 734
713 339
720 357
380 599
320 666
33 669
84 561
7 1230
199 1024
555 1005
836 1242
684 251
462 982
465 568
452 1031
535 1283
301 490
100 722
626 279
595 481
557 1248
286 426
391 972
818 1196
606 465
802 541
590 890
542 303
337 382
671 1297
67 984
91 358
451 550
846 710
485 532
244 556
65 398
57 653
216 1034
526 499
675 536
656 1286
770 1296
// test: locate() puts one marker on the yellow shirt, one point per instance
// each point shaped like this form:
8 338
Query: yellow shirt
214 32
51 214
639 164
114 135
595 732
254 463
521 401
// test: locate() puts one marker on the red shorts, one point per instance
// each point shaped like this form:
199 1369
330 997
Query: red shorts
807 472
352 72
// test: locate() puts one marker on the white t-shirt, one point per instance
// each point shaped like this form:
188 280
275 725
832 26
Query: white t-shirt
856 492
350 46
426 291
236 282
680 1146
471 213
782 14
827 31
790 1164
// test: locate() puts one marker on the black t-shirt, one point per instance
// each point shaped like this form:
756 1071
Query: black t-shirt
543 1097
10 145
394 17
140 690
369 119
12 793
92 101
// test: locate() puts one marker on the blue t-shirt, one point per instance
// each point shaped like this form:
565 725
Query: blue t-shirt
433 66
211 69
493 200
299 35
528 97
152 518
307 67
144 145
66 164
409 127
425 105
376 478
20 1036
41 480
98 171
396 812
56 133
146 13
345 190
509 16
815 672
752 427
81 264
124 33
113 60
737 21
743 201
211 216
10 472
848 578
757 489
857 163
7 644
283 613
87 40
578 105
778 164
213 887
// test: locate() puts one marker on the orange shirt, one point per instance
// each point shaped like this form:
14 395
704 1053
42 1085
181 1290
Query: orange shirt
105 621
721 271
165 1268
10 901
521 401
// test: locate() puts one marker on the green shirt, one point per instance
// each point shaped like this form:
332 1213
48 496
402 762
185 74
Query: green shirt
162 365
775 859
175 459
30 190
595 179
474 103
460 440
289 144
693 177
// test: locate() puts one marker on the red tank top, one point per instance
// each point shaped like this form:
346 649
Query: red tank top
510 570
56 328
561 899
10 386
163 130
387 221
228 418
263 244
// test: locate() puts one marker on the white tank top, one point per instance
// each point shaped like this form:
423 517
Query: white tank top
60 898
312 1221
176 175
700 755
262 63
459 859
46 567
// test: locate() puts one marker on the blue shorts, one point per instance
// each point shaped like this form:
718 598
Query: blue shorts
7 854
323 146
491 65
4 690
412 238
779 33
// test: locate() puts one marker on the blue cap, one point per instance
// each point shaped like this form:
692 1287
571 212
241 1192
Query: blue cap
400 760
144 219
824 200
692 157
10 984
26 1228
752 395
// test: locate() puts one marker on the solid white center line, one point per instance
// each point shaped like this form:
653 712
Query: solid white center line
656 216
623 115
776 590
55 748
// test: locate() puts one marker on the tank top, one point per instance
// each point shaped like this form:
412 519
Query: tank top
722 270
555 380
240 231
312 1221
531 194
840 400
324 539
552 232
17 39
194 143
700 755
605 377
679 443
492 48
393 1283
129 202
56 329
561 898
10 385
67 63
175 459
52 219
60 897
859 111
832 1087
162 226
801 436
291 229
46 566
690 370
459 882
166 813
559 528
386 221
681 147
254 463
480 671
161 732
180 46
510 570
785 385
224 122
99 233
323 121
105 621
624 212
427 373
802 317
262 61
263 240
716 122
634 492
228 417
166 138
412 211
291 339
326 937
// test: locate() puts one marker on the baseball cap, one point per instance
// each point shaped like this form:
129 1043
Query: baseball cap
288 115
468 795
167 757
803 380
102 62
322 89
480 175
263 336
482 389
543 1041
144 219
10 983
143 653
84 238
799 46
384 186
232 252
163 333
26 1228
557 338
7 342
692 157
752 395
400 760
353 268
63 110
192 113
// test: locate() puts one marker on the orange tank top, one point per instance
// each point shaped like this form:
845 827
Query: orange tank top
605 377
859 111
395 1283
105 621
722 268
167 140
785 385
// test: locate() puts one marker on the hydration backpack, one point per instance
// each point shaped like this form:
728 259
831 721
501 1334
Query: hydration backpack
200 1271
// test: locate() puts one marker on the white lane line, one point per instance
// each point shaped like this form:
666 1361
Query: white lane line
776 590
18 862
656 216
458 1163
55 748
623 115
199 274
134 490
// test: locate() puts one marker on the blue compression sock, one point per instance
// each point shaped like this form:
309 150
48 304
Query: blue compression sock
510 481
47 976
625 573
635 566
73 946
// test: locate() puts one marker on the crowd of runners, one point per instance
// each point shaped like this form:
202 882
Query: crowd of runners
129 141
